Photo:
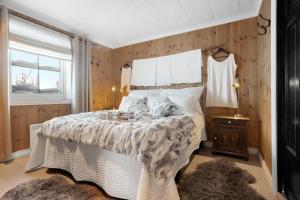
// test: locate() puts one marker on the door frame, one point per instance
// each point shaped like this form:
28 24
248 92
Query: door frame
280 91
275 6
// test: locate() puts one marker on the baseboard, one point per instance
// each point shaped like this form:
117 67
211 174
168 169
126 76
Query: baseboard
18 154
208 144
265 169
251 150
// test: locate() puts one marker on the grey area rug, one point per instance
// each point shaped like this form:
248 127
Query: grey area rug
214 180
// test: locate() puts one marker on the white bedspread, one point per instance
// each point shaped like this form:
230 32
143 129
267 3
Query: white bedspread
119 175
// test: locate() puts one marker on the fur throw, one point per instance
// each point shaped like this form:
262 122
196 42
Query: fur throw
157 142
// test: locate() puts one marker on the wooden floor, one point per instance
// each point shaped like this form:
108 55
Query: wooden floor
12 174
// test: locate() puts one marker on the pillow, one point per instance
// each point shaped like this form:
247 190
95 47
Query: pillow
160 106
192 91
138 106
128 102
151 101
144 93
140 109
185 104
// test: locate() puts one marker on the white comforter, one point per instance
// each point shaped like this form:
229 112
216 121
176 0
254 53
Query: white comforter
116 177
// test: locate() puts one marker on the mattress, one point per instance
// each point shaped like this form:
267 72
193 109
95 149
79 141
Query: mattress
119 175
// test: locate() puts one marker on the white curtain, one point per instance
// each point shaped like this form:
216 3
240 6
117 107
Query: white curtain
5 134
81 75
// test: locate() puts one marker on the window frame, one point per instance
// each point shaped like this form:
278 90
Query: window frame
39 98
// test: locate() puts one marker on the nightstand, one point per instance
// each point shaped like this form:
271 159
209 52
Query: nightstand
230 135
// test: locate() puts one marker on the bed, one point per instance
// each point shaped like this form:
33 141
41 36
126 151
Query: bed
120 174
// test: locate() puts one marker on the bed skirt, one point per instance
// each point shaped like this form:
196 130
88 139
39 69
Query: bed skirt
117 174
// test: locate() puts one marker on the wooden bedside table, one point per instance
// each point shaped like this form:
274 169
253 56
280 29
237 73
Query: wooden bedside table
230 135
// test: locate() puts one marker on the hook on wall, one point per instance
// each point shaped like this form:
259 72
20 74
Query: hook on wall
127 65
264 27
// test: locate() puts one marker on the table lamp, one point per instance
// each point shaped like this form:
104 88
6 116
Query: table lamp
113 89
237 86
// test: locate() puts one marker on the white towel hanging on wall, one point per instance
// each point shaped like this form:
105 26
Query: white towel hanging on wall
166 70
144 72
186 67
163 71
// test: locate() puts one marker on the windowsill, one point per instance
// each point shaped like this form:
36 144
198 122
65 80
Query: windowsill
41 102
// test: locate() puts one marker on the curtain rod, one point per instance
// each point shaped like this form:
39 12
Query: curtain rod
40 23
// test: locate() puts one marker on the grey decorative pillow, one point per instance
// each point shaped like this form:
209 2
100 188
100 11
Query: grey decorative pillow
139 109
160 106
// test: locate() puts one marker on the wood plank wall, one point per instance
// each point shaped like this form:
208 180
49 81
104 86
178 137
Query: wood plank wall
264 89
101 78
239 38
23 116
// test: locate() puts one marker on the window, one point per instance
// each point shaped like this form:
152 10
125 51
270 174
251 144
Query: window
37 74
40 63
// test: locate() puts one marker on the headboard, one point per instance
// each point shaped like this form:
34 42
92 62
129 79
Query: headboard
177 86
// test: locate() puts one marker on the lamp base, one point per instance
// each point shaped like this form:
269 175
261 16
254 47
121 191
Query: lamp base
238 115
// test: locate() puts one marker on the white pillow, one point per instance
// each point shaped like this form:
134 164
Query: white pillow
144 93
192 91
127 102
185 104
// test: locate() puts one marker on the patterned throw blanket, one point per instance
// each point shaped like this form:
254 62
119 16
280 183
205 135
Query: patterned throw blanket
156 142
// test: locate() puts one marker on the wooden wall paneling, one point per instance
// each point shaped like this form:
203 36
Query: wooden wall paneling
121 56
144 50
264 89
253 83
238 37
23 116
116 67
101 78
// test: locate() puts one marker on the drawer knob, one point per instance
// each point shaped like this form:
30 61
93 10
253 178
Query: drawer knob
229 122
215 138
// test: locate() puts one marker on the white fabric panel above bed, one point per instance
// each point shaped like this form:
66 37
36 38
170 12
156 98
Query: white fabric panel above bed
166 70
144 72
186 67
163 71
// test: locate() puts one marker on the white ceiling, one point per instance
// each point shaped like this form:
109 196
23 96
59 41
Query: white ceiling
116 23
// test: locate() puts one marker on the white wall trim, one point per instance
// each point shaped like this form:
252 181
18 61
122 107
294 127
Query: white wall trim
274 95
253 13
186 30
265 169
22 153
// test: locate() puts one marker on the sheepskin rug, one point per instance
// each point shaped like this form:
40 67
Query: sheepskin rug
55 188
219 179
